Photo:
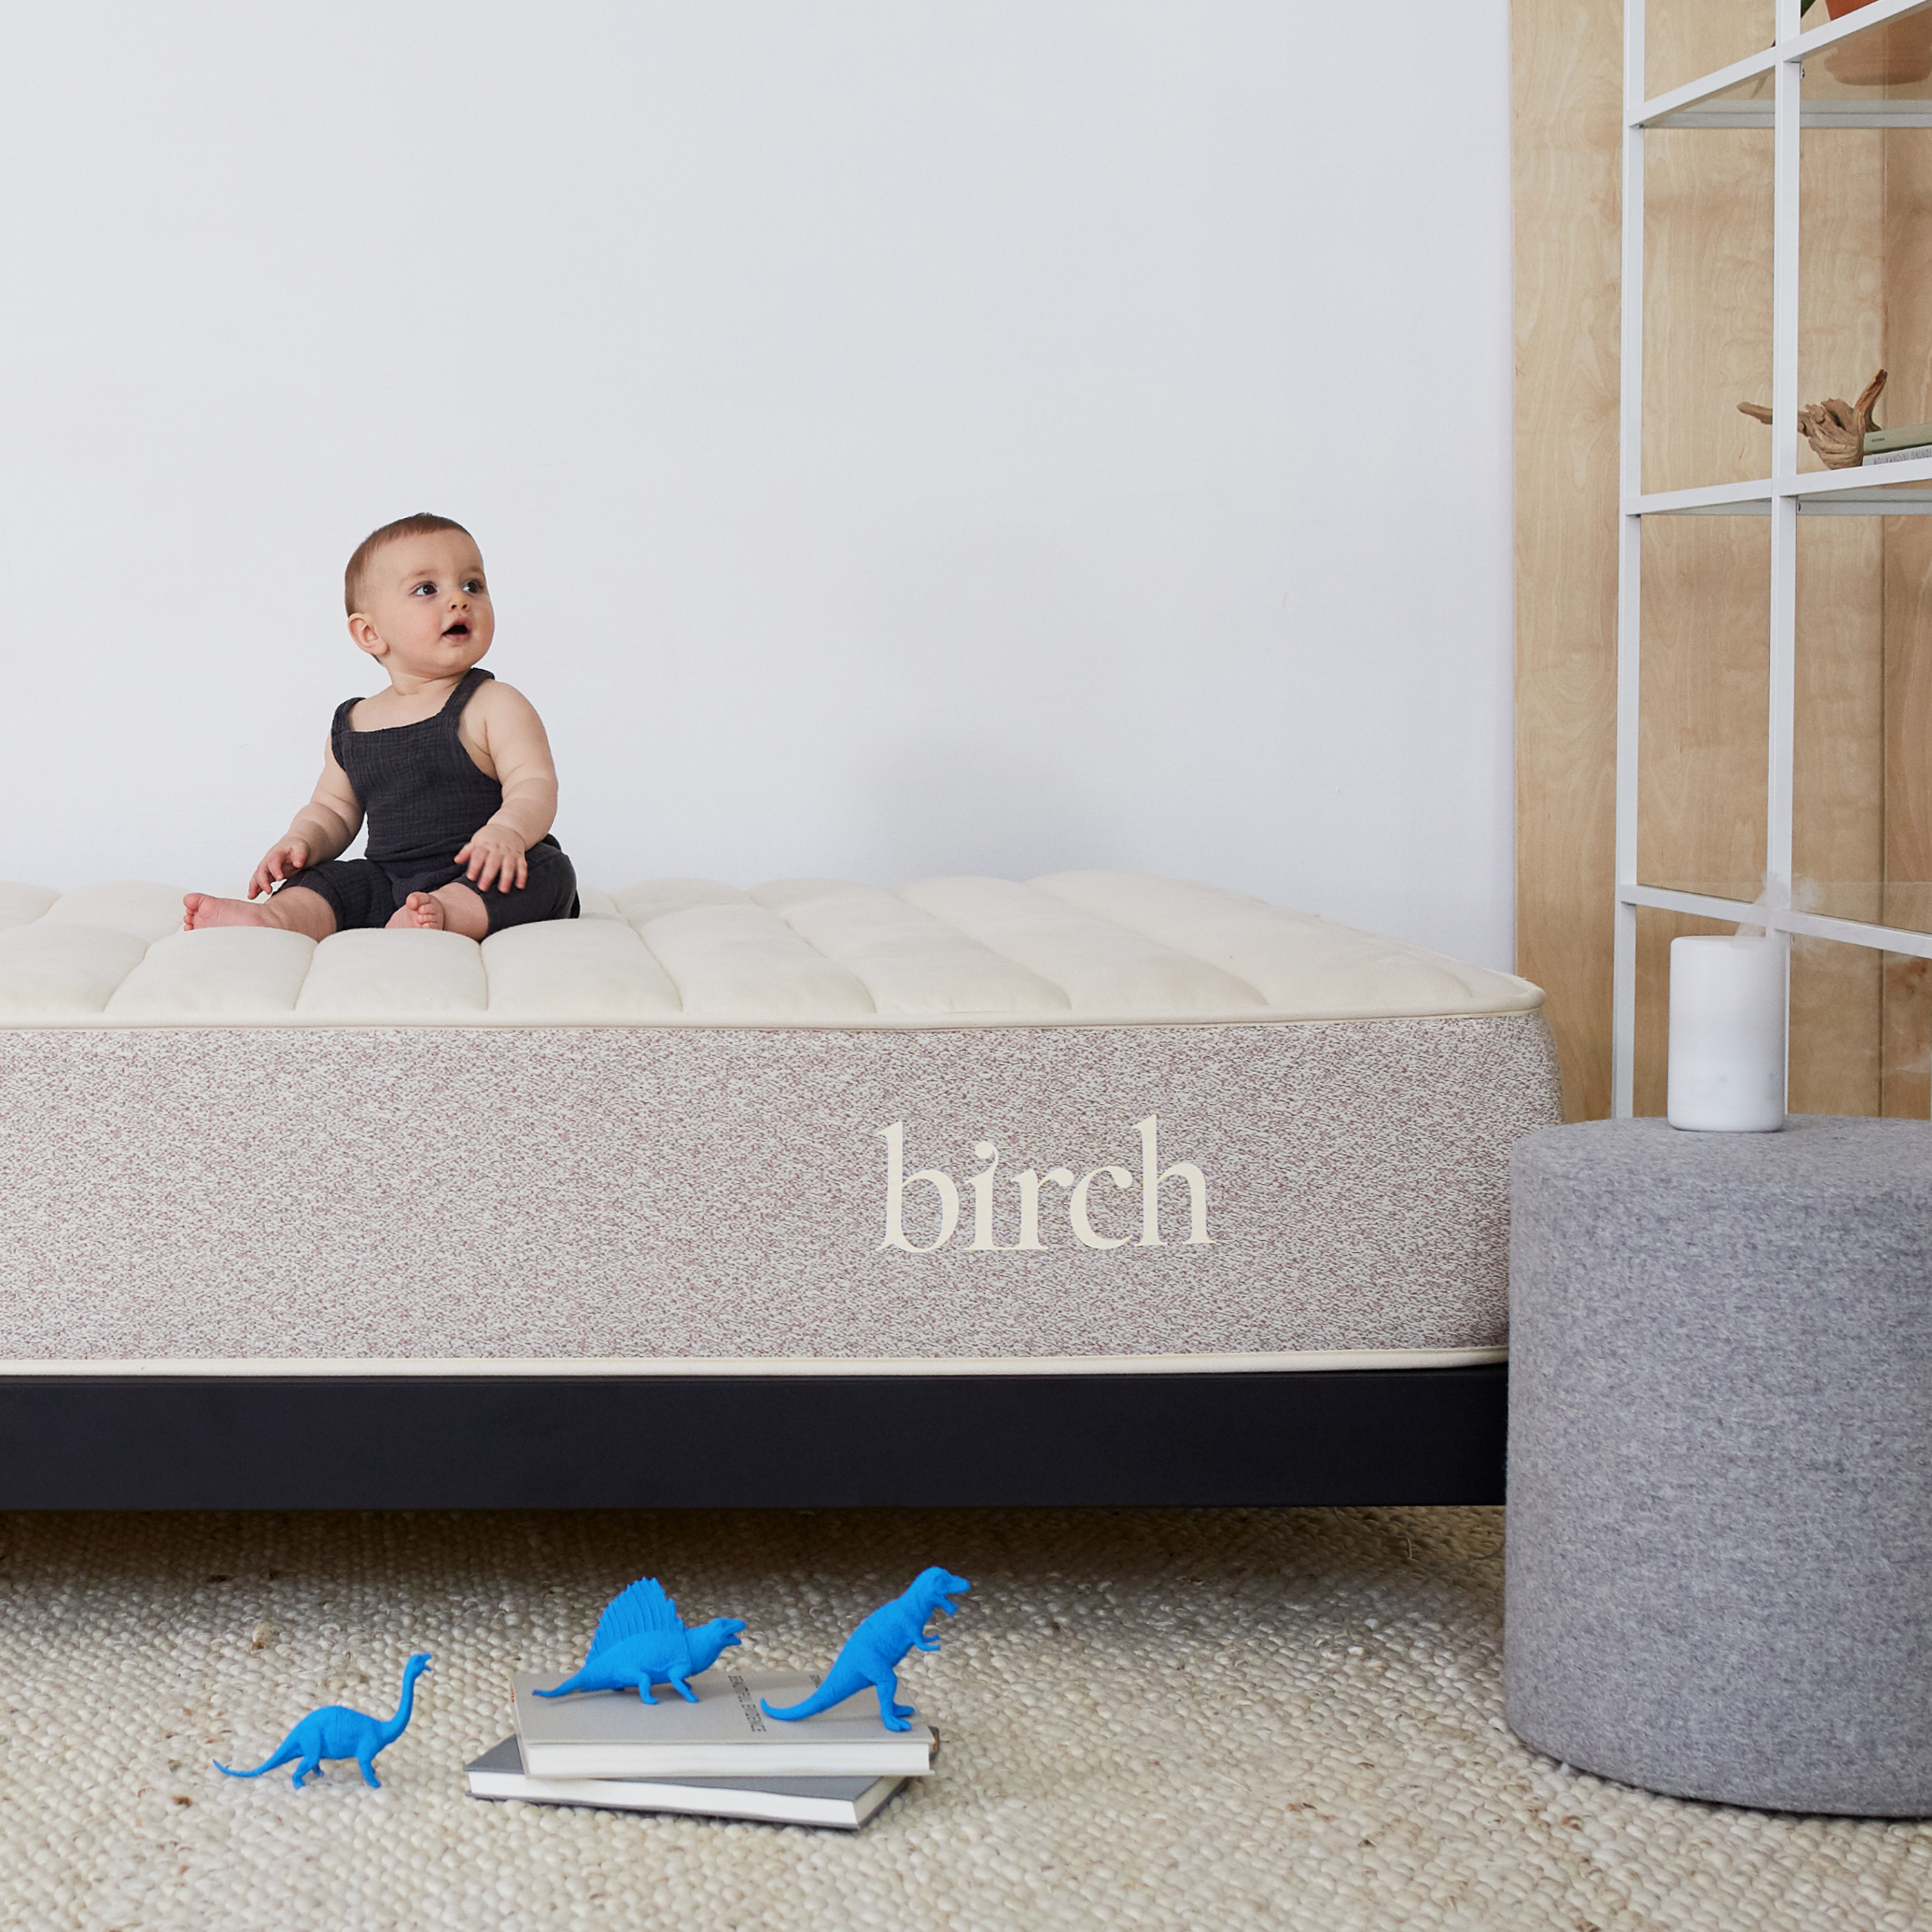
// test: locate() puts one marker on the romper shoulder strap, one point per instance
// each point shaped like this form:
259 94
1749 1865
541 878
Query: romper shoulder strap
339 726
473 682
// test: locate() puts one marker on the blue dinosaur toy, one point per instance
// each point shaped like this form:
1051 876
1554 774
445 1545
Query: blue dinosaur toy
639 1642
872 1653
334 1731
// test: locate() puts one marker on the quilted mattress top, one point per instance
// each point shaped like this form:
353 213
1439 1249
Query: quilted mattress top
1075 949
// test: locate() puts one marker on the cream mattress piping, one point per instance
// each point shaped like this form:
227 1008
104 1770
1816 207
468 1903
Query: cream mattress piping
484 1368
484 1021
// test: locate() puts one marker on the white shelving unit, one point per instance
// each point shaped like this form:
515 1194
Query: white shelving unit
1784 496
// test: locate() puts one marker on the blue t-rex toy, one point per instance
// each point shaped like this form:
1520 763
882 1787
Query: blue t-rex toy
872 1652
639 1642
334 1731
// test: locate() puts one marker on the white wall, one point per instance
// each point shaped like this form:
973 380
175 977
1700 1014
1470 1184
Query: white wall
905 436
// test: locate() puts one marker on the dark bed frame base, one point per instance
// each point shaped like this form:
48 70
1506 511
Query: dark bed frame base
1388 1436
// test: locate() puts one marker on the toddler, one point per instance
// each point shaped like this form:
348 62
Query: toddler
451 768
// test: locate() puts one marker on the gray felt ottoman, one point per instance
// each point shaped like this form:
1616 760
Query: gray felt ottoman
1720 1552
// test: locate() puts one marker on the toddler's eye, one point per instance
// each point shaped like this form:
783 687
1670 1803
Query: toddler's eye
424 590
475 586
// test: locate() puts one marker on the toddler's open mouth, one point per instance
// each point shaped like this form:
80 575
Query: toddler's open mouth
458 629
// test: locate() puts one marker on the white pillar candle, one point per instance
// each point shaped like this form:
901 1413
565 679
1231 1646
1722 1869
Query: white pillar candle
1727 1064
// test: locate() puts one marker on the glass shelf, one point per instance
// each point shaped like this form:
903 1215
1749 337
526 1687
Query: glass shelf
1722 112
1829 101
1739 895
1902 906
1905 905
1819 492
1844 503
1906 927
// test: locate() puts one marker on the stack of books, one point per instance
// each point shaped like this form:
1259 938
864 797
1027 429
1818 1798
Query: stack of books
1906 446
722 1757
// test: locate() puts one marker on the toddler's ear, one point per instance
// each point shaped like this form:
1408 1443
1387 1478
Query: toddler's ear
367 638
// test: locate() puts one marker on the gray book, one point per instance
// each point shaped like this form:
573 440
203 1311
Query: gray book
841 1803
724 1734
1912 436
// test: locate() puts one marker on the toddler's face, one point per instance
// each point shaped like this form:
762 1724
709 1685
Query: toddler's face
426 606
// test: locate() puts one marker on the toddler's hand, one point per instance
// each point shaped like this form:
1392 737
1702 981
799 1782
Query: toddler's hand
496 854
282 862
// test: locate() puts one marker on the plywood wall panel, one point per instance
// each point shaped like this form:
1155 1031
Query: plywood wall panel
1839 823
1905 1038
1838 832
1836 1023
1906 1032
1684 39
1707 310
1703 703
1842 320
1567 94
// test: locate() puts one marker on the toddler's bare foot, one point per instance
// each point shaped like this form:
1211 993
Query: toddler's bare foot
294 909
423 910
205 909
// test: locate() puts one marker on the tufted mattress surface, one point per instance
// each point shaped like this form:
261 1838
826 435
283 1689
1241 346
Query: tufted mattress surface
1098 1119
1077 948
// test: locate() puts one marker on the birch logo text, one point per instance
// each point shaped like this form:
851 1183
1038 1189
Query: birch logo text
1015 1205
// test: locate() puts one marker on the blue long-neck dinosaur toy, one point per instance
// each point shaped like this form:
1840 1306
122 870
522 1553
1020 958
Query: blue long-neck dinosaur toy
872 1652
641 1641
334 1731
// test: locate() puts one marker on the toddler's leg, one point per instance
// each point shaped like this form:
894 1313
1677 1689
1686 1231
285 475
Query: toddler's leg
453 908
294 909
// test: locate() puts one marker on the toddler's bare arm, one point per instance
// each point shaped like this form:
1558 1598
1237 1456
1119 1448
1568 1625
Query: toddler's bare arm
320 830
512 739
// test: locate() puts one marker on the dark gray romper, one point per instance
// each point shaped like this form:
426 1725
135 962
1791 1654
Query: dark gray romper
425 800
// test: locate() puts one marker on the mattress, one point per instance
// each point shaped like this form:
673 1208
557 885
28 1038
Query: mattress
1096 1119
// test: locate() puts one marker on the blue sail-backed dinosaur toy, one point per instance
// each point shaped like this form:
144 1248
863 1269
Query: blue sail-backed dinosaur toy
872 1653
641 1641
334 1731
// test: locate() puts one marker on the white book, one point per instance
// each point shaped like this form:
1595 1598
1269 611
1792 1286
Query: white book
724 1734
841 1803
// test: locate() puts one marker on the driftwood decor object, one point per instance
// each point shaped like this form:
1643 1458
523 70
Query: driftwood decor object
1834 428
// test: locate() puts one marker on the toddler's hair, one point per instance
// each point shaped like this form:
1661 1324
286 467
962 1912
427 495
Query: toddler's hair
421 524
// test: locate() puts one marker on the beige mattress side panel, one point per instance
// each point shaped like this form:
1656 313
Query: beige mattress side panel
460 1194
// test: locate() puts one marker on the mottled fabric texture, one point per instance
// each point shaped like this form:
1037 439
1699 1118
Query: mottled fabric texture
1721 1460
452 1192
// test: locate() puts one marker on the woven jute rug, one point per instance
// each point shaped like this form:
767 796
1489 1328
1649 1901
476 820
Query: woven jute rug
1151 1718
